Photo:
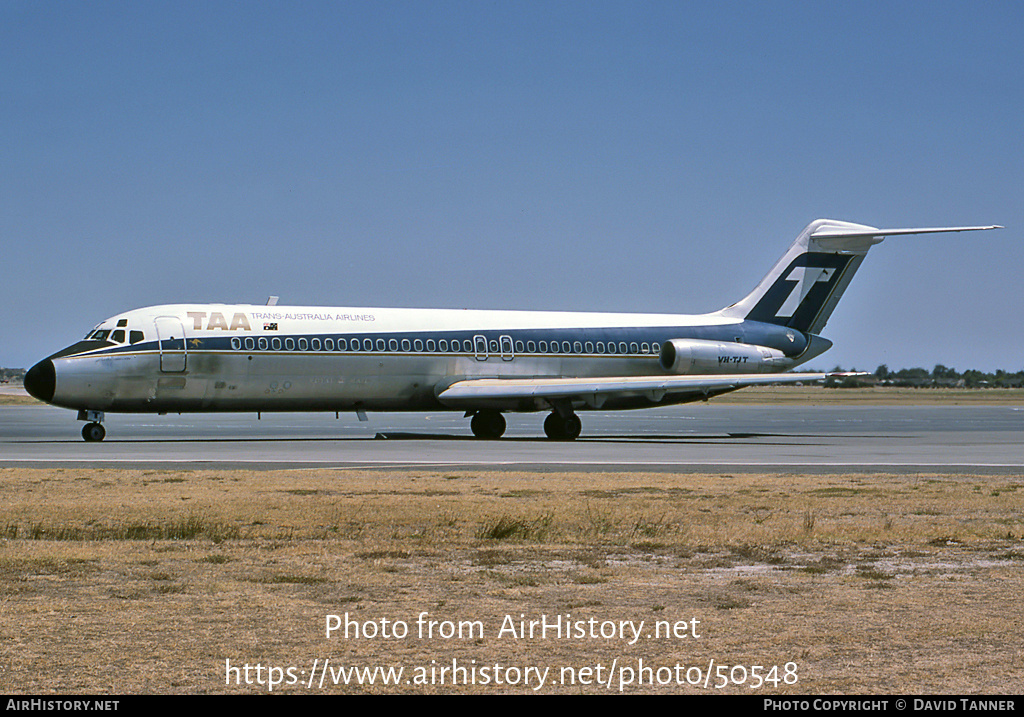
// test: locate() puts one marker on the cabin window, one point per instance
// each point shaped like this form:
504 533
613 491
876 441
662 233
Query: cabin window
644 348
236 343
289 344
342 344
622 347
531 346
577 347
432 345
633 348
543 347
249 343
328 344
600 347
406 345
655 348
275 343
441 345
418 344
493 346
590 347
380 344
263 343
519 347
566 348
367 344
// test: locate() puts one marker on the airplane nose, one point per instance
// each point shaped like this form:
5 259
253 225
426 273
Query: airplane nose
41 380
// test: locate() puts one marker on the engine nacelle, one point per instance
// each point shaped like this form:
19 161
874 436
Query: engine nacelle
697 356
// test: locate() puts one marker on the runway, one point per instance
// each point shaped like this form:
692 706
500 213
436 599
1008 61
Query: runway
692 438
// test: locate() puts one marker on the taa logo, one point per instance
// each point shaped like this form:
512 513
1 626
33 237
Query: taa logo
217 321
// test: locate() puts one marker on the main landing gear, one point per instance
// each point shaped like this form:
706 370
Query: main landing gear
92 432
490 424
562 428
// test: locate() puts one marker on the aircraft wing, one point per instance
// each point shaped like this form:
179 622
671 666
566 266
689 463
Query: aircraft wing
593 392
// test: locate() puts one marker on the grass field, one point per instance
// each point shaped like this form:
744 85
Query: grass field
875 396
152 581
16 396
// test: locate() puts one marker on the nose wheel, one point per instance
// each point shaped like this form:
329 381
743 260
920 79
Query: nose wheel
93 432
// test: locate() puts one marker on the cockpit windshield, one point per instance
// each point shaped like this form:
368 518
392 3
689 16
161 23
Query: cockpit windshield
117 335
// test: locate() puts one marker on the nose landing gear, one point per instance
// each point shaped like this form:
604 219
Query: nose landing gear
92 432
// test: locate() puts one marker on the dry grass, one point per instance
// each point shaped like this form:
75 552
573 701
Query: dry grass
147 581
874 396
17 397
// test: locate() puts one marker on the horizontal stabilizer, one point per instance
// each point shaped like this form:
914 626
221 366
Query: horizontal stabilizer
832 231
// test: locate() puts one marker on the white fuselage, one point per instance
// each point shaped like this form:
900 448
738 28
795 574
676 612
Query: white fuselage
180 358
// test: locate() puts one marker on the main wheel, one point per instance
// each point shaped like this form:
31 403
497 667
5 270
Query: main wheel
563 428
488 424
93 432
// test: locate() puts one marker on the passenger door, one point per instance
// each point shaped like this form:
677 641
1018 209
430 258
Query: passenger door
173 350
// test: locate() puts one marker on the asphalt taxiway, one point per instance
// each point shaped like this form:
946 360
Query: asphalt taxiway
816 439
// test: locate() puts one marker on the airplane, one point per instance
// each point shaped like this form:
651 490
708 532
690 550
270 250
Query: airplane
218 358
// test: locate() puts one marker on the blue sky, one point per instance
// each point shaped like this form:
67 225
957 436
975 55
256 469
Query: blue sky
620 156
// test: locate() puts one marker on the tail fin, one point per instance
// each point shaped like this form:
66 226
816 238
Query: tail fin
804 286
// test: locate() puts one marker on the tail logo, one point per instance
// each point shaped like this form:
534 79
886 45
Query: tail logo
801 290
805 277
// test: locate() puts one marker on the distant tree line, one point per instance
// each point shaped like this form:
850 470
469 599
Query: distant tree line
939 377
8 375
